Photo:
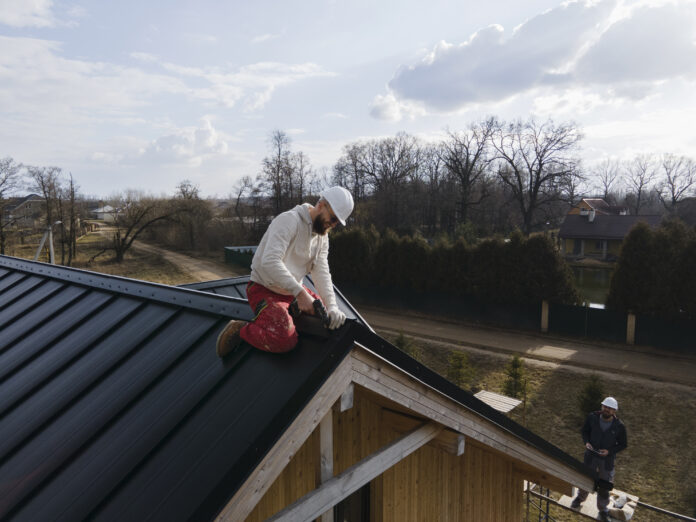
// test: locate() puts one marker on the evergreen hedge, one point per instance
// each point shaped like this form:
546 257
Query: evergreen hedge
655 273
519 271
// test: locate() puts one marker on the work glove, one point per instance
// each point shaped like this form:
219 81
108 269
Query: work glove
336 318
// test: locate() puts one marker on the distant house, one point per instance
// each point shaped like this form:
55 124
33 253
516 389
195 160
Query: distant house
598 235
23 212
598 206
107 213
115 407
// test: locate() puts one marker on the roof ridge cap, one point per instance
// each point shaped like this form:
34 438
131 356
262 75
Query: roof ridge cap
171 295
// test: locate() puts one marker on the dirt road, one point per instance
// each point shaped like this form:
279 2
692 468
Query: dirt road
615 360
199 269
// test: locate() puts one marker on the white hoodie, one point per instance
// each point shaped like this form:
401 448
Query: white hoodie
289 250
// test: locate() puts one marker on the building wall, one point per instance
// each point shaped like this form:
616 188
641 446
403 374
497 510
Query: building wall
430 484
576 209
614 246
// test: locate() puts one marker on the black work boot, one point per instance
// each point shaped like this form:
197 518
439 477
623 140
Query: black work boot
229 338
575 504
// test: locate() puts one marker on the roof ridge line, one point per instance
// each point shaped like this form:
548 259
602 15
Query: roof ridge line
171 295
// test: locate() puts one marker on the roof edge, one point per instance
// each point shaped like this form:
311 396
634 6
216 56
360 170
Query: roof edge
383 349
171 295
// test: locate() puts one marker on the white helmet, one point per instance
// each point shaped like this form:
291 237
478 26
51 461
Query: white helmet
341 202
610 402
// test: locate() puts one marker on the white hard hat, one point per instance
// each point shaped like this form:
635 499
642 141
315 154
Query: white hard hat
341 202
610 402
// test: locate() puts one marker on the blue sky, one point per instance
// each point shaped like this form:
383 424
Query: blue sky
145 94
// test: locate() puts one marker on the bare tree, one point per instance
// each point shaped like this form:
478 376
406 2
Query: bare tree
390 163
191 213
535 162
46 180
301 174
135 212
679 177
276 169
639 175
465 156
9 181
607 173
73 219
350 172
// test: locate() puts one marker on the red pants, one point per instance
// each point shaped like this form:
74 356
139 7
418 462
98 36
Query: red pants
273 329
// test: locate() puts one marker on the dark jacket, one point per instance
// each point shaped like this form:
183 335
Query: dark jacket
614 439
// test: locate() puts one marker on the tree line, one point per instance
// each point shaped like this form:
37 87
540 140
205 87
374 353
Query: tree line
493 177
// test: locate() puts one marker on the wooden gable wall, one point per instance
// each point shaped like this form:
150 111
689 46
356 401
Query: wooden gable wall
431 483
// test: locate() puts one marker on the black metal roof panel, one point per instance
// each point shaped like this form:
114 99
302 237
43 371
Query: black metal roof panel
114 406
236 287
604 226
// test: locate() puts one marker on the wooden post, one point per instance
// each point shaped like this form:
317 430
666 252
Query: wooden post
631 328
544 316
326 457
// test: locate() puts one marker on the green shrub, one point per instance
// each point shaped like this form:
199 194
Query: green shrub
514 383
459 370
408 346
591 396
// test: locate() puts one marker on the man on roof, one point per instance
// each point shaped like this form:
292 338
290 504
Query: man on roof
604 436
295 244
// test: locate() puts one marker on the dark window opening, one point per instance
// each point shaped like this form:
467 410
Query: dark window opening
355 508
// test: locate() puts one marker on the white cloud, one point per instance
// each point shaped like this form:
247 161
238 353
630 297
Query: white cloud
391 108
627 48
27 13
144 57
38 83
335 115
652 43
201 38
190 145
265 37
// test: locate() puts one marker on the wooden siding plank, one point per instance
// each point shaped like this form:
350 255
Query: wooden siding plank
343 485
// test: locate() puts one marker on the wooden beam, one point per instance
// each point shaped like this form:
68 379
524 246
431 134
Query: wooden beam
326 456
341 486
347 398
383 378
256 485
461 443
447 440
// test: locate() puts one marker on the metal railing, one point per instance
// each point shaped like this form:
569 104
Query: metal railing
545 501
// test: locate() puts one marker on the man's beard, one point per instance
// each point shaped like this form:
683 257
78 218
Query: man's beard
607 416
319 225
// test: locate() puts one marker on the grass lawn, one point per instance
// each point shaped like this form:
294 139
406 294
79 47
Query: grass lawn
136 265
659 465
